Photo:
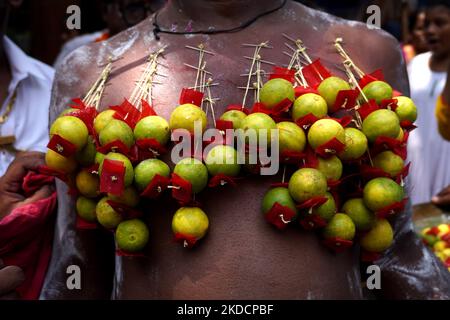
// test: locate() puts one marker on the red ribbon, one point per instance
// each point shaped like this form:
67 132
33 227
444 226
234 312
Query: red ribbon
283 73
112 177
369 257
82 224
312 222
377 75
312 203
315 73
306 121
156 187
187 240
191 96
338 245
147 110
367 108
280 216
125 211
330 148
396 146
182 191
122 253
407 125
237 108
299 91
279 185
62 146
391 209
127 113
151 147
389 104
292 157
345 99
115 146
369 172
221 180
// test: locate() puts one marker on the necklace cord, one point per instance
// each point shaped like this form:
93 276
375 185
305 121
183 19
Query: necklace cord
157 29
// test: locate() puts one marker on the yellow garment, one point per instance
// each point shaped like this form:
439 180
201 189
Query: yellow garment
443 118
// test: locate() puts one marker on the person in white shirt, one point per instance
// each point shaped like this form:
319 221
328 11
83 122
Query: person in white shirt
25 89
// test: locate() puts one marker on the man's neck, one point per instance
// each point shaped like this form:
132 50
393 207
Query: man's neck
195 15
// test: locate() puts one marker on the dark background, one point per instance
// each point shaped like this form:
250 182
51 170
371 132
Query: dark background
40 26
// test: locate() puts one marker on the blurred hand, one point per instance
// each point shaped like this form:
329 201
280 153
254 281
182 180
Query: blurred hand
10 278
11 193
442 199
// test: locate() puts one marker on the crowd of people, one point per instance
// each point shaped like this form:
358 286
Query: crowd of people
26 84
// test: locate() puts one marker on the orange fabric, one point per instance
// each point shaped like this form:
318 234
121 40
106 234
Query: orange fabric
443 117
104 36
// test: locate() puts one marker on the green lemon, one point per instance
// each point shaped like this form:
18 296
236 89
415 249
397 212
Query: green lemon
106 215
356 144
389 162
129 172
117 130
329 89
406 109
66 111
185 116
71 129
86 156
331 167
327 210
129 197
147 170
57 162
379 238
132 235
275 91
381 123
256 123
378 91
280 195
223 160
382 192
99 158
307 183
190 221
88 184
340 226
86 208
362 217
152 127
102 119
309 103
234 116
325 130
291 137
194 171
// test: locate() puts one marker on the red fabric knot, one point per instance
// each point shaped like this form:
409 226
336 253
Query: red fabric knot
222 180
345 99
258 107
283 73
125 211
114 146
299 91
337 245
93 169
367 108
330 148
390 104
181 189
407 125
187 240
311 221
315 73
368 172
156 187
386 143
370 257
150 147
280 216
191 96
62 146
112 179
392 209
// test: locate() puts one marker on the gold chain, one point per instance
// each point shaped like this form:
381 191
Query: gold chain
9 107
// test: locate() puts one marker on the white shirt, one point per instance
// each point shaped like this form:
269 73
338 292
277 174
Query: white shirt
428 152
28 120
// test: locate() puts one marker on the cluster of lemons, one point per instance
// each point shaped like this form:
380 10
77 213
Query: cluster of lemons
438 238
